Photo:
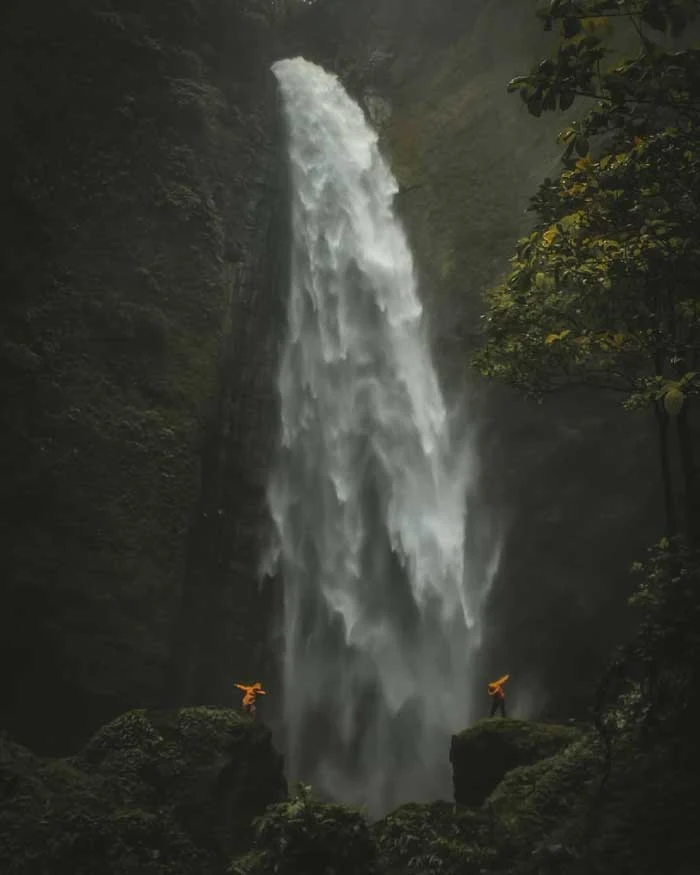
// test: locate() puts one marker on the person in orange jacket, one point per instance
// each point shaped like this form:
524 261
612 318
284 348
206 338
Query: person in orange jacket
499 697
250 695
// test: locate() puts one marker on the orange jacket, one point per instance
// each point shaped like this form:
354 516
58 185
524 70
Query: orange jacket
496 687
251 692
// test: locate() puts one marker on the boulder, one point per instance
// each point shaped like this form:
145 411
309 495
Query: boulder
152 792
482 755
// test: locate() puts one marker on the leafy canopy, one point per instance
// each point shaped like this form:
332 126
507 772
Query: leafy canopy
604 291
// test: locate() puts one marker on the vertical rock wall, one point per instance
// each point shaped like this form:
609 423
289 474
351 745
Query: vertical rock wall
137 173
223 629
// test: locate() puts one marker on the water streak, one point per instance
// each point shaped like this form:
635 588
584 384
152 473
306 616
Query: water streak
369 495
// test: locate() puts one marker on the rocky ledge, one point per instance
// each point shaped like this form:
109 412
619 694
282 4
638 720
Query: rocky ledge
482 755
152 792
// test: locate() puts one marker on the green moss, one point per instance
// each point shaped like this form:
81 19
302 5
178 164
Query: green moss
406 144
167 793
483 754
547 805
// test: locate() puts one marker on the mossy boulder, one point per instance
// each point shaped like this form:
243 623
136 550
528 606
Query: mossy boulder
152 792
542 812
483 754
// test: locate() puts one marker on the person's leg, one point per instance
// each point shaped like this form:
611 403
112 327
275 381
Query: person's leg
494 706
503 707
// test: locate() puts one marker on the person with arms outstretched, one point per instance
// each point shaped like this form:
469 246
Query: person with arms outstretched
497 692
250 693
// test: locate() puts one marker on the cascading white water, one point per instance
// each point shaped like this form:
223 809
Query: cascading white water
369 492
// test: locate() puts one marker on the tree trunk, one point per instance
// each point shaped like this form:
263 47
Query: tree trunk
664 463
690 490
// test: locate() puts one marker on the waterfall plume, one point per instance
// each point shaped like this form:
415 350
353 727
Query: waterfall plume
369 495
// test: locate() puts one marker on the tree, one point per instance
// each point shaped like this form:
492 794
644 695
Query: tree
604 292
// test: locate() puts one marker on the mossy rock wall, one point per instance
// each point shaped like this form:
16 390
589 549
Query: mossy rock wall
137 342
151 792
482 755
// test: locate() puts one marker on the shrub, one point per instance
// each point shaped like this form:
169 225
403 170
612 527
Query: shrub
305 837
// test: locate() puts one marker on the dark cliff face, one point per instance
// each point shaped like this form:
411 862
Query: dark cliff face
136 352
572 483
223 627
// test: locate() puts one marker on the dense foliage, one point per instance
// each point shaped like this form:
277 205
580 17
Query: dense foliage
304 835
603 292
163 793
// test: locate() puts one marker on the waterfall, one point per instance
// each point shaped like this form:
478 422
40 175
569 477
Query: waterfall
370 491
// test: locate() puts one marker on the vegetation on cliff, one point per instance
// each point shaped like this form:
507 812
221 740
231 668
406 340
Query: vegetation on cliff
132 150
164 793
604 291
303 835
483 754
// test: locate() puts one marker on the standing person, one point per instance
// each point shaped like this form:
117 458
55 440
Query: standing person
497 692
250 694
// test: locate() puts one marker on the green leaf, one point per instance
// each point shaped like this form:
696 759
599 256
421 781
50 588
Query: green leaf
550 99
516 83
567 135
673 401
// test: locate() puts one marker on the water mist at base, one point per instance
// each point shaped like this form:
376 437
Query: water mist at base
370 490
